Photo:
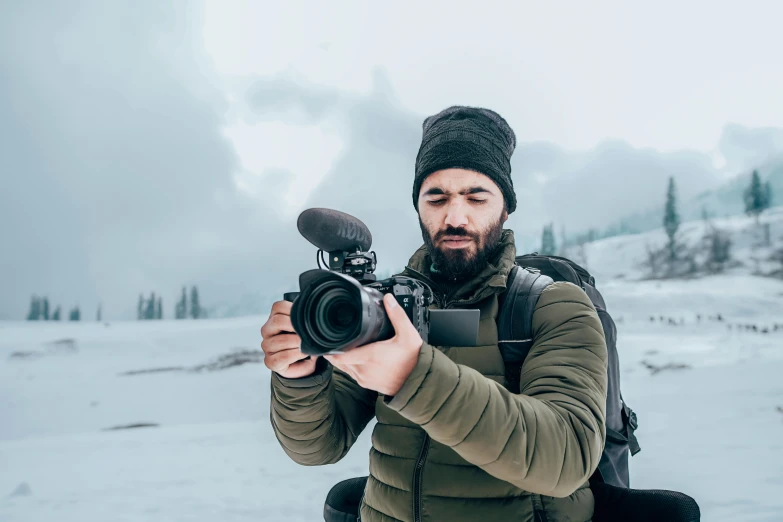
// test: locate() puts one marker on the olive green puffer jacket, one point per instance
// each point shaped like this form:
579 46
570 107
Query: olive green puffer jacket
454 444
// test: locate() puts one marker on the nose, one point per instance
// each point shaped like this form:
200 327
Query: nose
456 214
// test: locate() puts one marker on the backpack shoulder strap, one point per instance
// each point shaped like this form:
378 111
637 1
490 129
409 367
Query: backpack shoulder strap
515 319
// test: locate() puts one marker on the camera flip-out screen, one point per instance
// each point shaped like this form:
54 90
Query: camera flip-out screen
454 327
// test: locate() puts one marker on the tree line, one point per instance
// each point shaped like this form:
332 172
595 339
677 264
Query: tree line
40 311
757 198
152 308
188 306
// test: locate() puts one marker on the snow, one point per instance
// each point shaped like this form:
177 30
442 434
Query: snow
711 430
621 257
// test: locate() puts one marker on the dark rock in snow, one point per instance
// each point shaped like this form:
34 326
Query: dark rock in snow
131 426
654 369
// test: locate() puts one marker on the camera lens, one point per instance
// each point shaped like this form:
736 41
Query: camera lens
336 314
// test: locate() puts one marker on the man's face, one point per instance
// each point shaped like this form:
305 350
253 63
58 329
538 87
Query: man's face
461 213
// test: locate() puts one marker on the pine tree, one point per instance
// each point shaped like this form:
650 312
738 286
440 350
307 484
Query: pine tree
75 315
149 312
195 308
159 311
36 309
32 313
180 308
758 196
56 314
548 246
140 308
45 309
671 219
98 315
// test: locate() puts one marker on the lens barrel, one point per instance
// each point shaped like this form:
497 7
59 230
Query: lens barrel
335 313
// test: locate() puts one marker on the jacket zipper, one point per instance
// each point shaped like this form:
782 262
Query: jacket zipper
417 473
418 469
442 303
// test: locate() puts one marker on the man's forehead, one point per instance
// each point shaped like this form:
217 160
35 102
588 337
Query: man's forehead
459 181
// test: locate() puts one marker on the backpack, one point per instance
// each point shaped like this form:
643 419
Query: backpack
531 274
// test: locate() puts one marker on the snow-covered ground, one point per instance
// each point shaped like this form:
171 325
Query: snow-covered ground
712 429
622 257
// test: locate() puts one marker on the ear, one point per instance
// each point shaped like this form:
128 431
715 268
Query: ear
504 217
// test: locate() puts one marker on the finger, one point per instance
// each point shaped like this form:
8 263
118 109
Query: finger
280 361
275 324
399 319
280 342
282 307
278 308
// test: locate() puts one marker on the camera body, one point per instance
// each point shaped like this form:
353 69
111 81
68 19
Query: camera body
413 296
335 312
341 308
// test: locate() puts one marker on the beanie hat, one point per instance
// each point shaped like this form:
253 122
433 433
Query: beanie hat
470 138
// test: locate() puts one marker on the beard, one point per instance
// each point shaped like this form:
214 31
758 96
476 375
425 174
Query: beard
460 263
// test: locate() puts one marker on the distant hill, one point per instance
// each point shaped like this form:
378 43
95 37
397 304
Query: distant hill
622 257
723 201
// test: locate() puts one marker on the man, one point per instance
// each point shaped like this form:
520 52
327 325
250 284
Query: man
451 442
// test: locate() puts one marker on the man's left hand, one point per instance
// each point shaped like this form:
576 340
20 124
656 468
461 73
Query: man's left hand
383 366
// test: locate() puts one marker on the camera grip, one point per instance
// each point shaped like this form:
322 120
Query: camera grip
291 297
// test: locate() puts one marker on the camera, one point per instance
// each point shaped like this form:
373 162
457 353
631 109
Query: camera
340 307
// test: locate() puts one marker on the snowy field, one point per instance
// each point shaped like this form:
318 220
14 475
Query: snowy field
709 396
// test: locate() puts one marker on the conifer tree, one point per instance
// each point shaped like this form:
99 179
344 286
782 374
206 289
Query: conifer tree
149 312
195 307
758 196
548 246
671 219
181 310
34 314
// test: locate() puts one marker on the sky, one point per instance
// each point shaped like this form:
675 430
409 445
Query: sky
148 147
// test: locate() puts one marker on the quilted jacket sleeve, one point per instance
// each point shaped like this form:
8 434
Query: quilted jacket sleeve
317 419
549 438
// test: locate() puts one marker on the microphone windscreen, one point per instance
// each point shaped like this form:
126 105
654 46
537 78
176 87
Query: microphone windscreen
332 230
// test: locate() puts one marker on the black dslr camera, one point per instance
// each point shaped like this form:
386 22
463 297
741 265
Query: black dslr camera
341 307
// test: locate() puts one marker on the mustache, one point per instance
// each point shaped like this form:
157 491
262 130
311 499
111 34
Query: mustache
451 231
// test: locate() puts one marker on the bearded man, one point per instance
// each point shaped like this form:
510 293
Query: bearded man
451 442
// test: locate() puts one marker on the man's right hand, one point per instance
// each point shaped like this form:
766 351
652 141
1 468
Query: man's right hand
281 345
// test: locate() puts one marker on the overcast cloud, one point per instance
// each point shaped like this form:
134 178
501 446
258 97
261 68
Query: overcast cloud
117 178
143 148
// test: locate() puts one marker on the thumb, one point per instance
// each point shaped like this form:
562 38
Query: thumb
399 319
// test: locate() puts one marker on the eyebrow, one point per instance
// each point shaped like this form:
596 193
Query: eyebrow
437 191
